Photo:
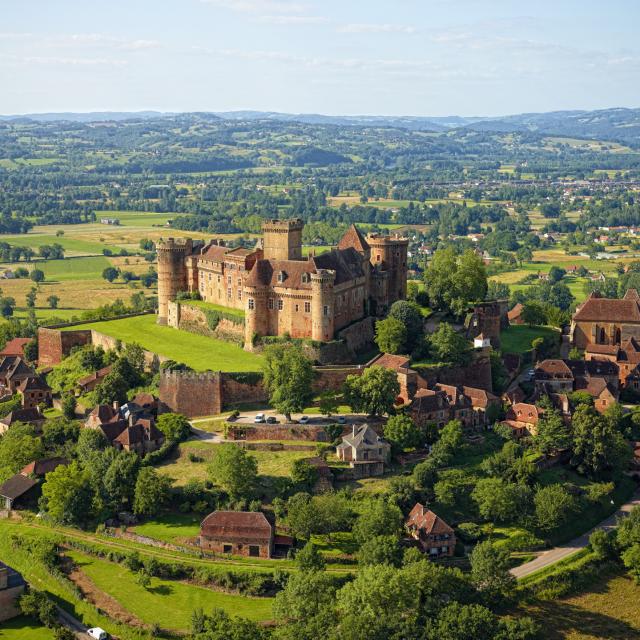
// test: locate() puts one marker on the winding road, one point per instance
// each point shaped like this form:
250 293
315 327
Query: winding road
563 551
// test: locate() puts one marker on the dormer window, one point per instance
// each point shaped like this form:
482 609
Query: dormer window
282 276
305 278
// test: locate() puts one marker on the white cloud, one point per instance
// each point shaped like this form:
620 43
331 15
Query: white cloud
66 61
366 27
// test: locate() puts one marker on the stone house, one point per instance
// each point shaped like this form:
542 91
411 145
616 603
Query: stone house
523 418
365 450
12 586
25 416
34 391
237 533
553 376
434 536
91 381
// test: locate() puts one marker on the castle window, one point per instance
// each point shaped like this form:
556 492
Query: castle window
209 277
239 294
307 307
218 279
297 308
281 276
229 281
250 304
305 277
229 294
325 310
270 303
239 282
280 305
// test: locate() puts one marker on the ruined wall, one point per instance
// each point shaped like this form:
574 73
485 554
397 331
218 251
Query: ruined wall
241 391
332 378
476 374
54 344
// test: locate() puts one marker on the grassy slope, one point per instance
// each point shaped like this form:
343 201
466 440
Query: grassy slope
199 352
201 304
23 628
517 338
165 602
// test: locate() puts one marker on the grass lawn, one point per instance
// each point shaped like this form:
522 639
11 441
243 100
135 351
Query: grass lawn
517 338
170 527
88 268
201 304
23 628
609 610
72 246
199 352
165 602
270 463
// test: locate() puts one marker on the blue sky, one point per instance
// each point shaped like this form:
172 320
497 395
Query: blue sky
415 57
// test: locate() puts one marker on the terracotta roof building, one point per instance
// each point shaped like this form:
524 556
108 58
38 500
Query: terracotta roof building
238 533
432 533
15 347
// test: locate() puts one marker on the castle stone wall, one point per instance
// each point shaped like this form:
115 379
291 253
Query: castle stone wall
55 345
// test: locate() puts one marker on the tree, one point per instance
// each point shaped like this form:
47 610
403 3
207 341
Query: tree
599 450
499 500
151 492
631 560
30 297
329 403
490 570
391 335
628 532
381 550
143 579
37 275
110 274
556 274
453 281
533 313
309 558
234 470
447 345
69 404
174 426
18 446
553 434
287 377
451 437
53 302
374 392
554 506
498 290
119 481
67 494
219 625
524 254
89 442
378 518
465 622
410 315
303 474
402 431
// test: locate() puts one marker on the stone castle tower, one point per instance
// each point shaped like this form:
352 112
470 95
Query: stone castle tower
283 239
173 272
322 305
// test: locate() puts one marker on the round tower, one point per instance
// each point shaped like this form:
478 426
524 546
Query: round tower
390 254
172 272
322 305
256 319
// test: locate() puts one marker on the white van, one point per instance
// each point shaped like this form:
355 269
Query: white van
98 634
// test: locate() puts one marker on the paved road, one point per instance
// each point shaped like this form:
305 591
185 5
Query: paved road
559 553
73 624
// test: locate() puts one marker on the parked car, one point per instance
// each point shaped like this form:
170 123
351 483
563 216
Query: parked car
342 420
272 420
304 420
97 633
531 374
259 419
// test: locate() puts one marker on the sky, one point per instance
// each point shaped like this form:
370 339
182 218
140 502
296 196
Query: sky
347 57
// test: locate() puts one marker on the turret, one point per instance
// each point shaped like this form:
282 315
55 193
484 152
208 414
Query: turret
256 319
322 305
283 239
389 253
172 272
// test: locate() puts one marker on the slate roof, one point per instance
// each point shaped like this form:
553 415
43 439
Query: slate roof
34 383
43 466
26 416
230 525
16 486
364 436
426 521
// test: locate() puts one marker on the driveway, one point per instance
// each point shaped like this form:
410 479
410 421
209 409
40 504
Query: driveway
556 554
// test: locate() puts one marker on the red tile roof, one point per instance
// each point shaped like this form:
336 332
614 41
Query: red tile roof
426 521
15 347
42 467
608 310
231 525
391 361
353 238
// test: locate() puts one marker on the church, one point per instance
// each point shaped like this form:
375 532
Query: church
280 291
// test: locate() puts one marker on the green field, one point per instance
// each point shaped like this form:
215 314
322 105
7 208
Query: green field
89 268
201 304
23 628
168 603
137 218
199 352
35 239
170 527
517 338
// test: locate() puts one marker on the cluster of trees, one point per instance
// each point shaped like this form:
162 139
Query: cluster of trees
147 279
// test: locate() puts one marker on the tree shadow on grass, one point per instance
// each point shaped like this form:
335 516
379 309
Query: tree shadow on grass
161 590
567 617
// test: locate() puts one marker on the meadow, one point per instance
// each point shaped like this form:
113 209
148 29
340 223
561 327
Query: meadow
24 628
199 352
518 338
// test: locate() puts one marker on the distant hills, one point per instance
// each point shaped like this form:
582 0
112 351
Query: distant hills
616 124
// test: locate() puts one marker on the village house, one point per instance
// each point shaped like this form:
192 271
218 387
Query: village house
90 382
12 586
241 533
34 392
523 418
515 315
24 416
434 536
15 347
365 450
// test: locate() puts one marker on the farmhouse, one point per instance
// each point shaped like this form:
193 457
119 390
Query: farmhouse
240 533
280 291
434 536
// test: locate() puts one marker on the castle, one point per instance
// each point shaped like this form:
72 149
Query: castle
281 292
